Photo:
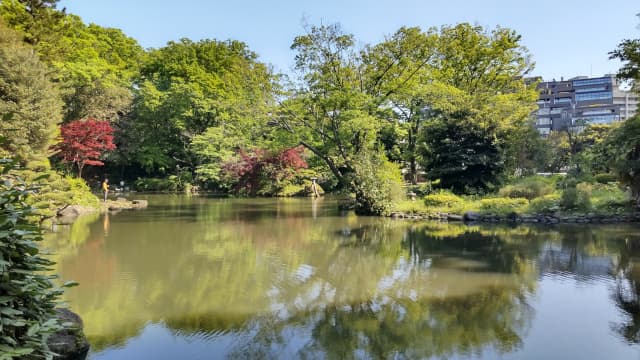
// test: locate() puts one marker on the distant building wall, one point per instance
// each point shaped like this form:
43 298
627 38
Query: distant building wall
582 101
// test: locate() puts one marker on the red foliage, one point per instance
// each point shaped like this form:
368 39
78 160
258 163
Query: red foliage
83 142
252 168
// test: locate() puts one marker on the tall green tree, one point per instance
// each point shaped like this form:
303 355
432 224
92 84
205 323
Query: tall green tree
625 142
334 115
483 73
30 106
94 66
397 72
187 88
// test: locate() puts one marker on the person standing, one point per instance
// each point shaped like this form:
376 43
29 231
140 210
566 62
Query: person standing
105 188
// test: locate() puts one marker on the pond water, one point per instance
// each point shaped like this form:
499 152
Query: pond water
201 278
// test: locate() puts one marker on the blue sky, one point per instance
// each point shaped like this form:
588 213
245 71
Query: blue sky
566 38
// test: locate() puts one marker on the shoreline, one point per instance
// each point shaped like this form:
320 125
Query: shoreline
514 218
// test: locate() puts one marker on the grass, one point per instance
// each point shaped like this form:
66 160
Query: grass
605 199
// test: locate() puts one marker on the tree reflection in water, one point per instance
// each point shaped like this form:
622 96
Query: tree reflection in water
334 287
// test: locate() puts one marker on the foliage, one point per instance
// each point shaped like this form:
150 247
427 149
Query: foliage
29 102
380 184
626 157
628 52
334 116
529 188
576 198
545 204
261 172
605 178
479 129
84 142
93 65
503 206
187 88
442 198
28 296
168 184
463 156
610 198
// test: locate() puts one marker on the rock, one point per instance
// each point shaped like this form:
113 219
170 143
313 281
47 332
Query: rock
121 199
74 211
140 204
471 216
454 217
70 342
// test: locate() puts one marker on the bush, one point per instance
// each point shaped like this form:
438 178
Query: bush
410 207
169 184
503 206
606 178
528 188
379 185
28 295
576 198
422 189
546 204
443 198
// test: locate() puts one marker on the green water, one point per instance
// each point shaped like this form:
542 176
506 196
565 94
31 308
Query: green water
198 278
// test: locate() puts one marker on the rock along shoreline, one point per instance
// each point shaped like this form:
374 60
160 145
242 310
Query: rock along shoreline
471 216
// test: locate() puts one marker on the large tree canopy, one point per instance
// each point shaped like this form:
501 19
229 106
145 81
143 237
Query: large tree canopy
482 76
189 87
29 102
93 65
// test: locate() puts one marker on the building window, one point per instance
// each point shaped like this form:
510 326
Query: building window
602 119
590 89
543 121
594 96
563 100
597 81
544 131
598 112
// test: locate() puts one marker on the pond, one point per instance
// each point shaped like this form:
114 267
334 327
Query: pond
203 278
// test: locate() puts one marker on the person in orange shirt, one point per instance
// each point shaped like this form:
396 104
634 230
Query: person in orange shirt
105 188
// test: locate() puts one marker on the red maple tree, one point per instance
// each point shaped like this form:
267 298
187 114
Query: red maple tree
84 142
251 168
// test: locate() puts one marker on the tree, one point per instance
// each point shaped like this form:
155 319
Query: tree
333 115
398 72
482 75
29 102
84 142
186 88
625 142
462 155
628 51
94 66
261 172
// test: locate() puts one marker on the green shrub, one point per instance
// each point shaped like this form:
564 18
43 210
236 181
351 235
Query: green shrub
528 188
606 178
291 190
170 184
410 207
422 189
443 198
28 296
576 198
503 206
379 185
546 204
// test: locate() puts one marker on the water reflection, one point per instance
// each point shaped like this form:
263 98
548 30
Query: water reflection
291 278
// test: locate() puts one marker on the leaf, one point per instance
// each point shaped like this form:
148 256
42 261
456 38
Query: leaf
69 284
